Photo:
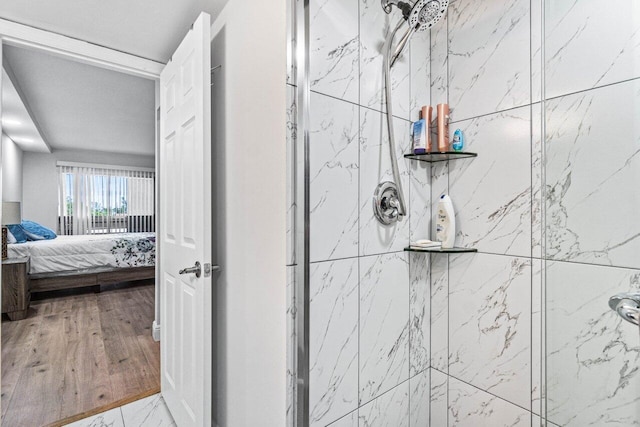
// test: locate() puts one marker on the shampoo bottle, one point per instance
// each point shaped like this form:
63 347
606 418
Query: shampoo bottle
443 127
421 141
445 222
419 137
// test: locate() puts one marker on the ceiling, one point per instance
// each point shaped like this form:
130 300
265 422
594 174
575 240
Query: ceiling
81 107
16 120
151 29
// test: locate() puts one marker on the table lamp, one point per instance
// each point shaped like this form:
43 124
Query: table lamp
10 215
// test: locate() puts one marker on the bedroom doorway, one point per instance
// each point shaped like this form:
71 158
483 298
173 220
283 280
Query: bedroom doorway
78 338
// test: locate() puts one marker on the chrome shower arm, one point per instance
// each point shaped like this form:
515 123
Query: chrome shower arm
387 5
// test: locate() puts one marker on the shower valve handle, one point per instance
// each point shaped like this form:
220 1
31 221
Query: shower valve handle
627 305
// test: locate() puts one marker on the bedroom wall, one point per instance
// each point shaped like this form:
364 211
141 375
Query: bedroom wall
40 187
11 170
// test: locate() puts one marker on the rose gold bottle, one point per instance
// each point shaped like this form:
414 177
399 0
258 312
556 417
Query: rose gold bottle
443 127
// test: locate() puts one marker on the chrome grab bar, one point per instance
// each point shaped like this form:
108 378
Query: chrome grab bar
627 305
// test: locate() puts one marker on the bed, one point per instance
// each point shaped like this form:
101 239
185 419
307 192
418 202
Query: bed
90 260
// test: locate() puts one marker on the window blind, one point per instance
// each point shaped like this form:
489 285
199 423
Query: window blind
95 200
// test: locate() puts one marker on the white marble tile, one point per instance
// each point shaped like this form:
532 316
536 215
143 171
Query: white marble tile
112 418
384 324
537 205
440 312
291 344
375 167
333 340
439 404
419 200
333 152
592 355
492 193
537 391
374 26
350 420
389 410
439 62
592 170
420 316
536 421
150 411
291 32
470 406
489 62
420 399
537 63
420 72
334 48
590 43
490 324
291 141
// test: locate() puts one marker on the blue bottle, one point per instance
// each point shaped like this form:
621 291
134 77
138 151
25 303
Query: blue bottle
458 140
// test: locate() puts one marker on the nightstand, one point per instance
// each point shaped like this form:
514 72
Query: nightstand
16 294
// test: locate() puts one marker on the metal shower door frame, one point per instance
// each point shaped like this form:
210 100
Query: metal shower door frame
301 183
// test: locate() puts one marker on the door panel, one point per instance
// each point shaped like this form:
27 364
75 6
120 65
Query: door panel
185 185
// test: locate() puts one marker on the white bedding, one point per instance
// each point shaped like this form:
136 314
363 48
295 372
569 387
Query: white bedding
66 253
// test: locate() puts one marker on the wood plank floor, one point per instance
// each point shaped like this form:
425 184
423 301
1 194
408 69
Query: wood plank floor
77 353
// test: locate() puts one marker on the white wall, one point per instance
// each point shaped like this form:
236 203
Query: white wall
249 105
40 182
11 170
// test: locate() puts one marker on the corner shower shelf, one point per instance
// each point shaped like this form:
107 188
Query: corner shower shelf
442 251
441 156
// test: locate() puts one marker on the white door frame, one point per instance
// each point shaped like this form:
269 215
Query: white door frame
19 35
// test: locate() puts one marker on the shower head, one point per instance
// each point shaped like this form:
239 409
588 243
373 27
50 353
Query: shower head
420 15
426 13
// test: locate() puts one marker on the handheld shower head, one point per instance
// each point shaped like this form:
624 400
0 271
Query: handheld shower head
421 15
426 13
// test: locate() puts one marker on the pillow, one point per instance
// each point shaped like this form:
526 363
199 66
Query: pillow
32 237
10 238
35 231
18 233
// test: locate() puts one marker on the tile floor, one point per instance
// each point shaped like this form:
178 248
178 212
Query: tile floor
150 411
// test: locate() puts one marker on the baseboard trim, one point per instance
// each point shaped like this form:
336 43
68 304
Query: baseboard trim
155 331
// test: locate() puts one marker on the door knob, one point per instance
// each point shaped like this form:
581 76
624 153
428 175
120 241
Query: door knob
196 269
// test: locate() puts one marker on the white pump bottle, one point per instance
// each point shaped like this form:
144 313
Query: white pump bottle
446 222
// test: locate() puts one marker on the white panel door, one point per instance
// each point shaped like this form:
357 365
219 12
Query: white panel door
185 215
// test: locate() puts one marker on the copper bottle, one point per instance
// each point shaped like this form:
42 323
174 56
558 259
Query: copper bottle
443 127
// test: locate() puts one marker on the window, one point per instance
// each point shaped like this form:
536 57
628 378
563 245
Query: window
100 200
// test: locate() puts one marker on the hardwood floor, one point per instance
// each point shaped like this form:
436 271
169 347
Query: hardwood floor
77 353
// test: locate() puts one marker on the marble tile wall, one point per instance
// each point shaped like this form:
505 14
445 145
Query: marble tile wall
458 339
536 204
370 301
592 141
481 304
